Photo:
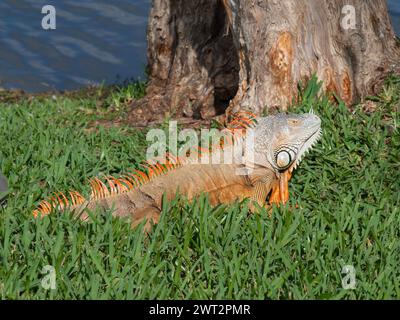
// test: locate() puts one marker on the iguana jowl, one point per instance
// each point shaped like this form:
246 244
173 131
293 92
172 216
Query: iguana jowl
280 141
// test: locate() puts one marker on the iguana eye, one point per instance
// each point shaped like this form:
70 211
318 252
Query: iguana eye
283 159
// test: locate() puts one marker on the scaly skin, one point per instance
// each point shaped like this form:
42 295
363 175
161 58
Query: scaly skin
280 142
222 183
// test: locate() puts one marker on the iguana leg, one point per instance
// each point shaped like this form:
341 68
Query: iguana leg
262 188
275 196
280 190
284 186
150 214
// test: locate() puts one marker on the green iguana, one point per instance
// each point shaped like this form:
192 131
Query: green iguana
278 145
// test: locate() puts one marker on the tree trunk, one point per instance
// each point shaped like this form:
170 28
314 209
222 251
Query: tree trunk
207 57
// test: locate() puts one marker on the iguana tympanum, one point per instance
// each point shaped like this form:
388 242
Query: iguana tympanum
279 142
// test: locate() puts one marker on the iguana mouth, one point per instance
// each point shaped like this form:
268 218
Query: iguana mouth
307 146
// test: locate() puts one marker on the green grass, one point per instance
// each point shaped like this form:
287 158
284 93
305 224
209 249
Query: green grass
347 189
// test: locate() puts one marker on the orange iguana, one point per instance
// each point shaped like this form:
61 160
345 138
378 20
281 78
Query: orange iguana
279 142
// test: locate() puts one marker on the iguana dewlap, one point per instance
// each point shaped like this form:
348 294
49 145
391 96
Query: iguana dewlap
279 143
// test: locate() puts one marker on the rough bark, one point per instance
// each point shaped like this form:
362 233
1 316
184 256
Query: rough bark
192 64
208 55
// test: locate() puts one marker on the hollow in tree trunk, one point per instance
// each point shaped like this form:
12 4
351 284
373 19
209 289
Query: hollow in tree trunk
208 57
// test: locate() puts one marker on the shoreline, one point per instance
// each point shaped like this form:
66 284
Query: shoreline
100 91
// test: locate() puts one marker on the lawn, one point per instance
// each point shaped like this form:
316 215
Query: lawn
347 189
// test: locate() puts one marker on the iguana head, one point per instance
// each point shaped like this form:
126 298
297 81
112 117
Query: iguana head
282 139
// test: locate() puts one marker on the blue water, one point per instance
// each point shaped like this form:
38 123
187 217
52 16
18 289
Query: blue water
95 41
394 11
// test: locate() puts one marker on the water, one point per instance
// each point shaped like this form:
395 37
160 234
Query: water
394 11
95 41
